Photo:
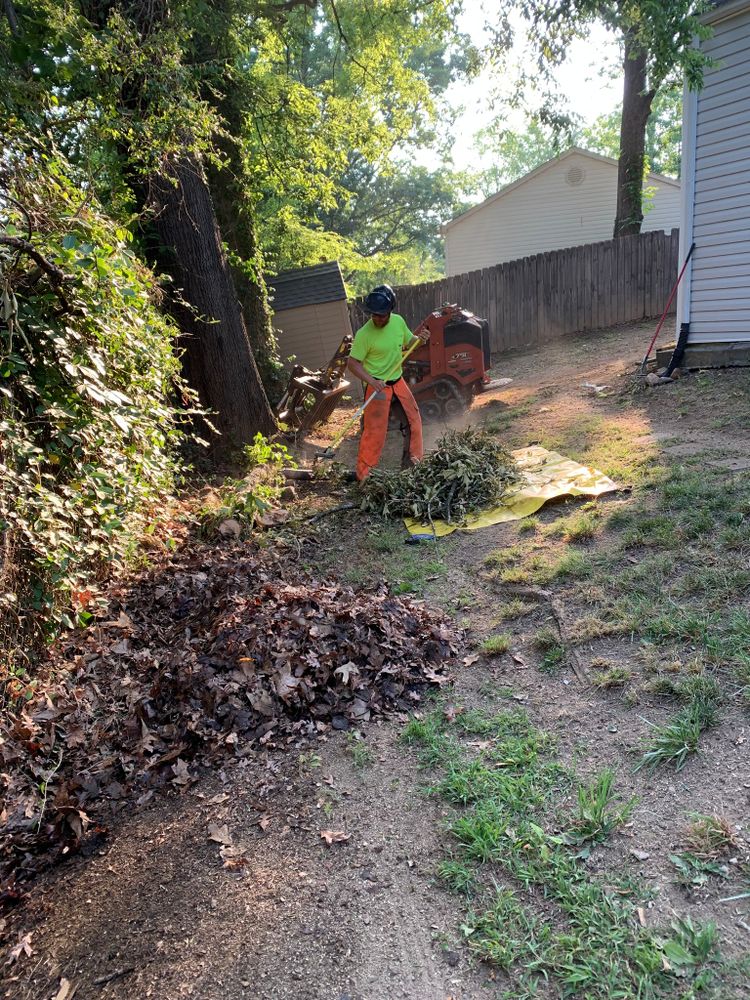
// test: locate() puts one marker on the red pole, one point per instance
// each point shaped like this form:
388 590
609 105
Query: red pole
666 310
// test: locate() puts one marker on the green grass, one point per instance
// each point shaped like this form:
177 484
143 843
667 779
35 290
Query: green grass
597 815
673 742
495 645
533 909
547 642
361 754
611 677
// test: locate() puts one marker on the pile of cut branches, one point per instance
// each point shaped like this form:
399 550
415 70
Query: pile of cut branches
468 470
216 651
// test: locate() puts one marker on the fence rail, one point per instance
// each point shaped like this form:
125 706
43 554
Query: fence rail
535 299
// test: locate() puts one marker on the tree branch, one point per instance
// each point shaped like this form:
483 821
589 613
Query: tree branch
10 13
55 274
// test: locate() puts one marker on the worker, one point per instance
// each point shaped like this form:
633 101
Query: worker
375 358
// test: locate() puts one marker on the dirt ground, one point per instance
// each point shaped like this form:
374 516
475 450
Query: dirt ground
157 912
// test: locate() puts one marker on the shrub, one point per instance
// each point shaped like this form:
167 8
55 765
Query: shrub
91 399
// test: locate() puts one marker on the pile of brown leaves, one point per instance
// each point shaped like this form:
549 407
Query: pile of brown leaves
220 650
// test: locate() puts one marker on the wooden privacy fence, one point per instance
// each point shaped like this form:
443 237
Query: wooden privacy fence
535 299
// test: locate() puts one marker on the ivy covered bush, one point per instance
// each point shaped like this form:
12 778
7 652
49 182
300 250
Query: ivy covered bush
91 399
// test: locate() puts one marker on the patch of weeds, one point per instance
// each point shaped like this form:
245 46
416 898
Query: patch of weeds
561 930
597 816
459 876
434 744
512 609
528 525
495 645
576 565
694 871
361 754
673 742
709 836
309 762
580 526
501 557
655 531
611 677
547 642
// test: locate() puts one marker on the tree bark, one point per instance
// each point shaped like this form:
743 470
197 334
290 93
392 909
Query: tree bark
636 108
238 230
218 359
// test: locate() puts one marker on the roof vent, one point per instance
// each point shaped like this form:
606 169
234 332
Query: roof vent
575 176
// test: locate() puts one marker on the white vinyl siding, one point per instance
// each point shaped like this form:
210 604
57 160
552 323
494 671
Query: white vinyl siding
720 275
545 212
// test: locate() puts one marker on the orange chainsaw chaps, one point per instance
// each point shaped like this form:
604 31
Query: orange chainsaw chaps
376 427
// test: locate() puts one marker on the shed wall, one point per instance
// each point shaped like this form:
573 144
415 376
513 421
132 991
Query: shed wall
311 333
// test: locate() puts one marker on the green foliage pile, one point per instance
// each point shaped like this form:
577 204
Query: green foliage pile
91 399
246 500
468 470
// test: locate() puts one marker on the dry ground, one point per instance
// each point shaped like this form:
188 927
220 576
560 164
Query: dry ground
156 914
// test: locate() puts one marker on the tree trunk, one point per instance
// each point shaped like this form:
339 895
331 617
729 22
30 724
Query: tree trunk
237 226
636 108
218 359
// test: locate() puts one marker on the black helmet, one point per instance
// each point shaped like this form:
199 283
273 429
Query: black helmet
381 300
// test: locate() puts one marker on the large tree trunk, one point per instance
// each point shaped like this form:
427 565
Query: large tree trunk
219 362
237 226
636 108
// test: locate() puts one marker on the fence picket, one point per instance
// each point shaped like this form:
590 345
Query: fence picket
537 298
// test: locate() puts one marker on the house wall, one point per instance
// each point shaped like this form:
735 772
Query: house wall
716 297
547 212
311 333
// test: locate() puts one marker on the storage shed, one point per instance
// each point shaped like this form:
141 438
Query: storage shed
311 315
566 202
713 306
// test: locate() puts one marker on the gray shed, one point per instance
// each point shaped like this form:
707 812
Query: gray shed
714 301
311 315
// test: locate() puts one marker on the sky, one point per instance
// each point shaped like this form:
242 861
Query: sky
588 94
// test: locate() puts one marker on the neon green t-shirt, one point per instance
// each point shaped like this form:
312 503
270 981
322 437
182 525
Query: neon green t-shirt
380 348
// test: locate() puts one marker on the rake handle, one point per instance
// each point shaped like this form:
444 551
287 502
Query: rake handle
350 423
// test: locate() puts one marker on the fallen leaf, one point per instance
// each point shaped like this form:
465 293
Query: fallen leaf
232 864
264 822
451 711
181 772
641 915
471 658
518 660
219 834
22 947
334 836
347 670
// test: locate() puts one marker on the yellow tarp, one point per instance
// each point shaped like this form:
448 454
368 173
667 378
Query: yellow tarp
545 476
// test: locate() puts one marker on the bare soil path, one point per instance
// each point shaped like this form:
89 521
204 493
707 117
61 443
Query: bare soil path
158 912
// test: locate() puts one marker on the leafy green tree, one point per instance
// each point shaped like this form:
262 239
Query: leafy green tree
516 153
356 85
663 133
657 47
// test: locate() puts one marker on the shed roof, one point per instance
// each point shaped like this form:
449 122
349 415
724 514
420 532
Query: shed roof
573 151
307 286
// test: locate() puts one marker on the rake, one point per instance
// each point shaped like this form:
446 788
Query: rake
333 447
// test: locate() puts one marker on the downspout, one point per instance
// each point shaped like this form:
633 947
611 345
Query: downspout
689 127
